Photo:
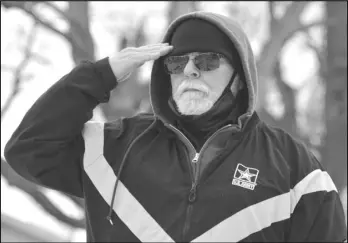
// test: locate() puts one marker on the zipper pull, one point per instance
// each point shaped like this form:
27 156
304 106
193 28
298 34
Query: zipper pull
192 195
110 220
195 159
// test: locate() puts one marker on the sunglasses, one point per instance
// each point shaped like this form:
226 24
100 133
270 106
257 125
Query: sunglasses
204 61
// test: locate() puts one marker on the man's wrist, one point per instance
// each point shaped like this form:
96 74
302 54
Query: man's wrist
106 73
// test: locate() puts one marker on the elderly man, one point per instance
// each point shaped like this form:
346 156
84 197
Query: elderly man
202 167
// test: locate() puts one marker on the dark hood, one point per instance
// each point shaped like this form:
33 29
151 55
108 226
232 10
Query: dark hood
160 86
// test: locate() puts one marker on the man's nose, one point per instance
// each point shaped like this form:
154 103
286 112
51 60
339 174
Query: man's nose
191 70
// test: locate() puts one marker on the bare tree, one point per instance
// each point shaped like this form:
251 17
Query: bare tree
333 69
282 29
17 71
36 192
177 8
82 48
335 150
80 39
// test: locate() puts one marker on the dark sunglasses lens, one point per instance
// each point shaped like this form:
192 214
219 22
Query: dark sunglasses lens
207 61
175 64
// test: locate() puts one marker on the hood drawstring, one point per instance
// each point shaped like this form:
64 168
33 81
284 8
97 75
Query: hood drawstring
121 167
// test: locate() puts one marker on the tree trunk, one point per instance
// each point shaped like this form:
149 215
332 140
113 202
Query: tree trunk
177 8
281 30
288 120
335 151
279 34
82 47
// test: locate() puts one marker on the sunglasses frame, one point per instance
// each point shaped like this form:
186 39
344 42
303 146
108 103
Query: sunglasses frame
183 56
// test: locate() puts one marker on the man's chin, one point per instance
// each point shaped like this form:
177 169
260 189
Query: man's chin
193 106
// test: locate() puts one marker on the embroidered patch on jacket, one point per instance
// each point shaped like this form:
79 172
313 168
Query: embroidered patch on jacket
245 177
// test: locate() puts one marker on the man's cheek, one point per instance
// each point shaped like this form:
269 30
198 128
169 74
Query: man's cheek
175 86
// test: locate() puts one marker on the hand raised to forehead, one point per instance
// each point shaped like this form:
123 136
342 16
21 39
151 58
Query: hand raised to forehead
127 60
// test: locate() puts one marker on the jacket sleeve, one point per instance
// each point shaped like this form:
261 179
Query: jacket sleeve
47 147
317 213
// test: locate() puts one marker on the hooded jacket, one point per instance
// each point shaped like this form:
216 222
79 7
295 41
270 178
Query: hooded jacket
142 179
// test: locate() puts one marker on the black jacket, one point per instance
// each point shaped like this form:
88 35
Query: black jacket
249 182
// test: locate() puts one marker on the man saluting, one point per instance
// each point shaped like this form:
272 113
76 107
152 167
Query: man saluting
202 167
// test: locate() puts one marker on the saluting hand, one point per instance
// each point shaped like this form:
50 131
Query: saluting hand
127 60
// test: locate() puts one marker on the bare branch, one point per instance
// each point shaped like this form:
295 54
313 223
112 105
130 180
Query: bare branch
6 68
16 4
177 8
319 53
36 57
287 24
266 60
285 89
9 101
48 25
28 8
290 19
311 45
82 45
304 28
34 191
17 73
58 10
273 20
50 208
40 59
13 178
66 16
140 33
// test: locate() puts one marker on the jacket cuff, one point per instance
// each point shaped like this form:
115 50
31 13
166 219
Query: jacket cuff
104 71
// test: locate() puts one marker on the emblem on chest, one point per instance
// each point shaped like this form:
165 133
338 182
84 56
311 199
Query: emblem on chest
245 177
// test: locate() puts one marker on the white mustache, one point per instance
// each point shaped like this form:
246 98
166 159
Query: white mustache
185 85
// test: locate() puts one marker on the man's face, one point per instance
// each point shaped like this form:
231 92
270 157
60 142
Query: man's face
195 91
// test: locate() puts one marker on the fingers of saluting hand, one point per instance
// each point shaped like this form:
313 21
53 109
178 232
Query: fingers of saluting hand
153 52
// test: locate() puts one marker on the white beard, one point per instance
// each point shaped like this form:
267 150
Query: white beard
193 103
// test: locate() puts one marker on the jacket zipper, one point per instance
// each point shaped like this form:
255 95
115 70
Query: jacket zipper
188 142
194 175
191 199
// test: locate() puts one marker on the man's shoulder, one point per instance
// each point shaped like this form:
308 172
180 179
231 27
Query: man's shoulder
129 125
281 138
299 158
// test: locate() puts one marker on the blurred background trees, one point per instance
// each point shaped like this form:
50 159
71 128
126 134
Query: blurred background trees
313 110
335 149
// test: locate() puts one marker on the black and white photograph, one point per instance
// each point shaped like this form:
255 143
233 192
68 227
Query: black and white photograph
174 121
